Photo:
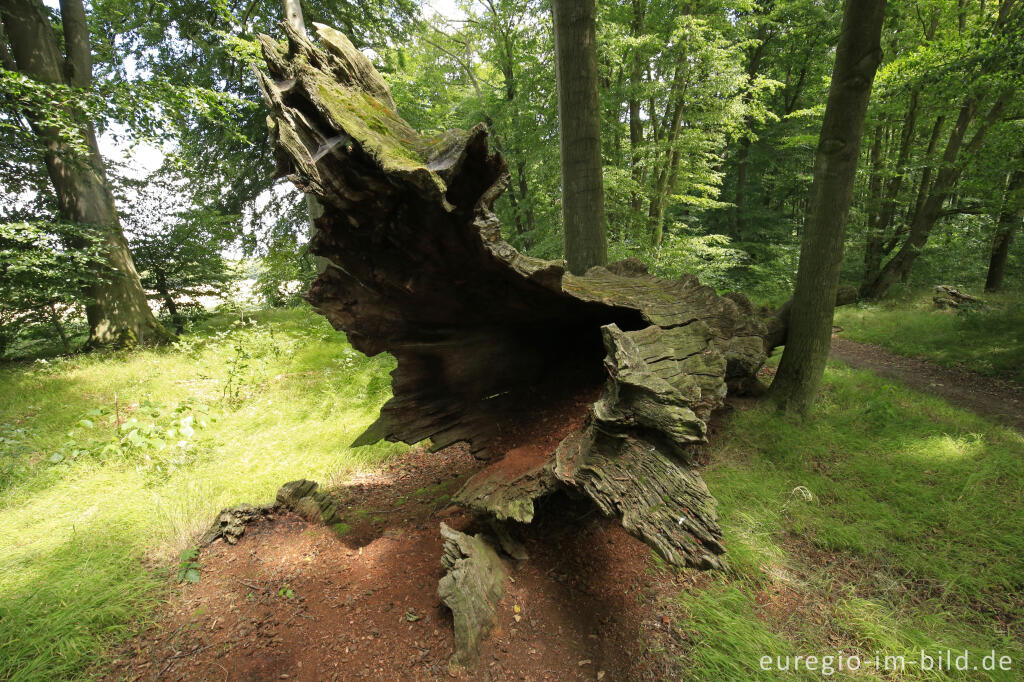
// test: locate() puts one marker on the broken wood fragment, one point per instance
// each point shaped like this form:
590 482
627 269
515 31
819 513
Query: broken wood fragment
472 586
948 296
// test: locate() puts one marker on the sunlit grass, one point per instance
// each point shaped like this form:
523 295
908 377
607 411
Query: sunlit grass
895 518
916 509
986 340
273 400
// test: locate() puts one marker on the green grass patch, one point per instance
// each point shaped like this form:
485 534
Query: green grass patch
894 519
113 462
987 339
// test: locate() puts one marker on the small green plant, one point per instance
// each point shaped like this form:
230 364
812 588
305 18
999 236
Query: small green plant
188 566
286 592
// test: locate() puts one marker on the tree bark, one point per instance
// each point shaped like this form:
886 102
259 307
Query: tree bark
857 58
755 54
579 120
118 312
490 344
1009 219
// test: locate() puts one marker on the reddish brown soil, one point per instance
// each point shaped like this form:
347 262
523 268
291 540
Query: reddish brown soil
987 396
296 601
530 442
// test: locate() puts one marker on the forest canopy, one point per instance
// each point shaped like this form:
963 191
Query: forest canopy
710 112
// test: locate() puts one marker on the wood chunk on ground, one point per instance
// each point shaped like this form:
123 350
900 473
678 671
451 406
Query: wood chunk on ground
472 587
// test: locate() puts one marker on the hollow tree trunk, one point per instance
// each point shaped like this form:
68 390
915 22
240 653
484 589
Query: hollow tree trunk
487 339
118 312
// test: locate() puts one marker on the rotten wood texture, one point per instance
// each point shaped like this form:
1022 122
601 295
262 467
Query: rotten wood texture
473 584
948 296
416 266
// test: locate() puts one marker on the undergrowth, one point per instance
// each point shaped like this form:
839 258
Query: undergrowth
111 463
888 524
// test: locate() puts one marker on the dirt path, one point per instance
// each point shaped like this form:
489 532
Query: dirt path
987 396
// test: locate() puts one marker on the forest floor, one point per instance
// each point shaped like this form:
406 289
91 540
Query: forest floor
988 396
888 524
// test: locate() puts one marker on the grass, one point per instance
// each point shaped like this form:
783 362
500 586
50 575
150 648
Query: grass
987 340
111 464
888 524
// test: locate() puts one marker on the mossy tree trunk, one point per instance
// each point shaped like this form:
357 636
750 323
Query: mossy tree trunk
488 339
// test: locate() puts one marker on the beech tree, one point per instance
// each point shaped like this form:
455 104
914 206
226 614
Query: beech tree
835 166
117 310
579 120
1009 220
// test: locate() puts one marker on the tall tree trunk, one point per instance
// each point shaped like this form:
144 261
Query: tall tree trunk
117 311
874 241
835 166
876 250
579 120
636 124
753 67
1009 218
59 328
531 220
662 188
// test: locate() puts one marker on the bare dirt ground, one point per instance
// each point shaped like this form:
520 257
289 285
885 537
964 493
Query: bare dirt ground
987 396
296 601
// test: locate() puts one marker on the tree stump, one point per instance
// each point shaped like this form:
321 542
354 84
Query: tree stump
485 337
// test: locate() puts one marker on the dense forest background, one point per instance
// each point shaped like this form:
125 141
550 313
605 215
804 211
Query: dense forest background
711 113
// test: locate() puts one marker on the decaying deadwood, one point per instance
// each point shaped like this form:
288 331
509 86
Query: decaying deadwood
473 583
948 296
485 337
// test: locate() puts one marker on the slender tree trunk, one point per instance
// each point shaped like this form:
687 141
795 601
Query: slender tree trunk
579 119
1009 219
117 311
876 249
59 328
636 124
753 67
874 241
835 166
739 222
531 220
165 294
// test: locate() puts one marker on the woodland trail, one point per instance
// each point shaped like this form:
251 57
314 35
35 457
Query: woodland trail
987 396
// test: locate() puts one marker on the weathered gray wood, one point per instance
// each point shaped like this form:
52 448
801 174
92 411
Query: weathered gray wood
417 267
948 296
472 586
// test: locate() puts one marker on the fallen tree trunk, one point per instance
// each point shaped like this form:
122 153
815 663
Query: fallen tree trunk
487 339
